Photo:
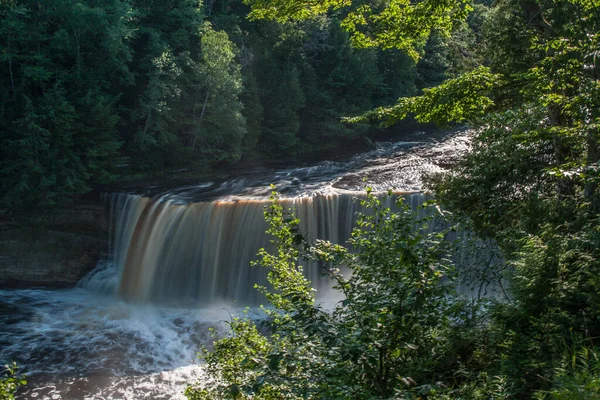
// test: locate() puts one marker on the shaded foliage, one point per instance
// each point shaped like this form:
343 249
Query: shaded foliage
387 337
92 91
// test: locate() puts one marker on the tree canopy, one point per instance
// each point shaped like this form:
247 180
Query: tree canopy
96 91
398 24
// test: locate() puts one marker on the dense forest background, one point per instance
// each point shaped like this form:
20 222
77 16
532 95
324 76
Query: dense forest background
92 91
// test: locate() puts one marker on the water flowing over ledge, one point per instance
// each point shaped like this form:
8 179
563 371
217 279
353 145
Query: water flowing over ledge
180 263
194 244
200 253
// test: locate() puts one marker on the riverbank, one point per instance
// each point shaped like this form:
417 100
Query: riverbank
55 252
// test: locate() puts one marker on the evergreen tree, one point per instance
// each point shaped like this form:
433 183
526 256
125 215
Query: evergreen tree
59 119
338 80
284 100
144 85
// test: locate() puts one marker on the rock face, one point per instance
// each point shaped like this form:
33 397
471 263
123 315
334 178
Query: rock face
57 253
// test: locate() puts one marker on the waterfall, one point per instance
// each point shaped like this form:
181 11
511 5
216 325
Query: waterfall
194 244
200 252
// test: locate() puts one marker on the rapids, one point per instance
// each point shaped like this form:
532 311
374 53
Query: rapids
180 264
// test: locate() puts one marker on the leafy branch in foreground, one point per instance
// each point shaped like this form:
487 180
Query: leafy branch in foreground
578 377
399 24
10 382
387 337
456 100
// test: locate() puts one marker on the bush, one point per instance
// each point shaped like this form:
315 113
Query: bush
387 338
10 382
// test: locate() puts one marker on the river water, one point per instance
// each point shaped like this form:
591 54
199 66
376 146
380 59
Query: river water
180 261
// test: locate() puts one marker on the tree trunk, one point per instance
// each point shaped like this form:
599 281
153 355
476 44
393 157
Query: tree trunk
78 55
12 79
209 7
564 185
593 157
201 117
147 123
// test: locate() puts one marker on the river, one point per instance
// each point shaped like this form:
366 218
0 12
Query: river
179 264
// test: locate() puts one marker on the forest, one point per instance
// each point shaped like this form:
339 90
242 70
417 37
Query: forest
98 91
102 90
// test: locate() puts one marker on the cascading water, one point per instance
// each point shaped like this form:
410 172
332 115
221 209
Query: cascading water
201 253
131 328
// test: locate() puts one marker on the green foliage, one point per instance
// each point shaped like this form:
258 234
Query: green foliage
58 118
530 182
284 99
101 89
10 381
398 24
513 164
286 10
96 86
387 337
220 126
154 103
577 378
456 100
